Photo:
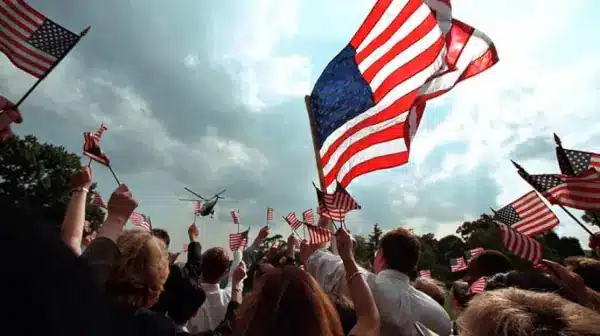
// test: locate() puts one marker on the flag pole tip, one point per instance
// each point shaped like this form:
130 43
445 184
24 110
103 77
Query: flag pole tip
85 31
557 140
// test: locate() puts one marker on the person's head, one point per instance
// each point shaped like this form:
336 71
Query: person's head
215 264
188 298
460 296
399 250
514 311
288 302
431 287
140 270
162 235
488 263
588 269
532 280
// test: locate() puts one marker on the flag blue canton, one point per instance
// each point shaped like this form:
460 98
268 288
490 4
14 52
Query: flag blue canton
340 94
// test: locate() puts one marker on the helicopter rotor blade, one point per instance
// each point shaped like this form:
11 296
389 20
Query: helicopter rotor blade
218 195
202 198
188 200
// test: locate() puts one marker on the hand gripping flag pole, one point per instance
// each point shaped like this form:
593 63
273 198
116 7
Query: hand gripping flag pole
58 60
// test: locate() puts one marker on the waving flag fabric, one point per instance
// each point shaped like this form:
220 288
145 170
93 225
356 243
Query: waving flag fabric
336 205
308 217
91 146
368 102
318 235
237 240
580 192
478 286
31 41
574 162
293 220
425 273
474 252
270 213
528 215
458 264
138 219
197 207
521 245
235 216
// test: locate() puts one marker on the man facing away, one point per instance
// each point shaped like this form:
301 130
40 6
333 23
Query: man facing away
400 304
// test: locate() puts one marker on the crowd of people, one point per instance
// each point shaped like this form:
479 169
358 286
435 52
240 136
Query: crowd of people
121 282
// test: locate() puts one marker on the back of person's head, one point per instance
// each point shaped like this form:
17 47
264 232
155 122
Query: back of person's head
288 302
531 280
400 250
345 309
514 311
139 273
488 263
215 263
189 297
431 287
460 294
588 269
162 235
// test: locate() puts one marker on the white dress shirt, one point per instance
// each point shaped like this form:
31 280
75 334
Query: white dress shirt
212 312
400 304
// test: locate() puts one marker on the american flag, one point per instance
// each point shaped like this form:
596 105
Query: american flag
138 219
367 104
574 162
474 252
580 192
270 213
98 201
336 205
185 247
91 146
521 245
235 215
528 215
293 220
197 208
31 41
425 273
458 264
308 217
237 240
478 286
318 235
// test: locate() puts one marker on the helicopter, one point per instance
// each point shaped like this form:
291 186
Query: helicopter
208 205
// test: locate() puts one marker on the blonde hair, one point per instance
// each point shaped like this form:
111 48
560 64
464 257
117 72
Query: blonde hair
516 312
140 271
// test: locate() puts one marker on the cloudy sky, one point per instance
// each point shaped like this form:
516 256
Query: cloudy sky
209 95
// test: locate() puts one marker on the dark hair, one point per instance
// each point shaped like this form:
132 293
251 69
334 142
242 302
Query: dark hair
215 262
488 263
531 280
162 235
459 292
345 309
401 250
187 300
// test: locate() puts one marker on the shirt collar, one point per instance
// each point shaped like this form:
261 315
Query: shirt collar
207 287
393 274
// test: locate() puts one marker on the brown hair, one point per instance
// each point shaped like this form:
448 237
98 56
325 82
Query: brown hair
488 263
431 287
289 302
588 269
215 262
401 250
519 312
140 270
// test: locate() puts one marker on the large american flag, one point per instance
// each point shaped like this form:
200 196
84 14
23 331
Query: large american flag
458 264
336 205
318 235
580 192
528 215
235 215
520 245
474 252
91 146
308 217
367 104
98 201
31 41
574 162
237 240
270 213
138 219
293 220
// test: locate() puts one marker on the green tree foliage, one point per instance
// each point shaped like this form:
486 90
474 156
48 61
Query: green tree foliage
373 240
35 177
591 217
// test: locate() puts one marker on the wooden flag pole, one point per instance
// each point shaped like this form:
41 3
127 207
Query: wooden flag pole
35 85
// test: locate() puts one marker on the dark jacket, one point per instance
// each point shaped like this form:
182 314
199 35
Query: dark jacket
176 287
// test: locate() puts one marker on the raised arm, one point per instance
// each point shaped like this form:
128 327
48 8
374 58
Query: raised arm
74 221
194 253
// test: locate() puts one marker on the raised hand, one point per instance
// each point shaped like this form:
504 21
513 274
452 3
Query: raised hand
121 204
193 232
345 243
82 178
